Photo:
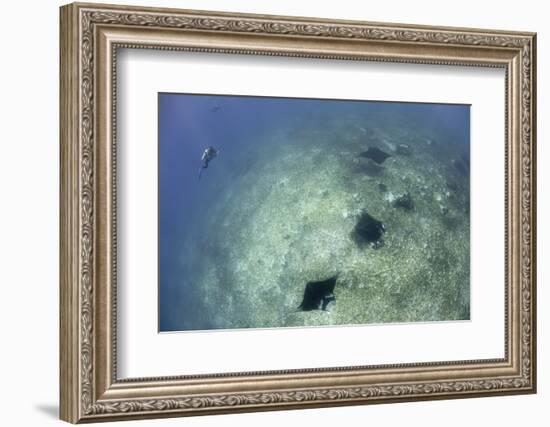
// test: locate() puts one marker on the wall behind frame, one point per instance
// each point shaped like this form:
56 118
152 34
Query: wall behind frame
29 171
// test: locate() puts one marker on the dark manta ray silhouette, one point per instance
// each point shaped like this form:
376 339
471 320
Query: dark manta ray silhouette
375 154
317 295
368 230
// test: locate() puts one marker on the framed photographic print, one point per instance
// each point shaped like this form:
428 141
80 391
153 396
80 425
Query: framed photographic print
265 212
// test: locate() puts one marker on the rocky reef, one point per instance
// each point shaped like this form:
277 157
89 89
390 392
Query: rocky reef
289 219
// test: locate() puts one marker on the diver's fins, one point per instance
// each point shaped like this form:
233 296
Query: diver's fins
200 173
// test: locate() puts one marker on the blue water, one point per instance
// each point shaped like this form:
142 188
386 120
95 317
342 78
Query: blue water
237 127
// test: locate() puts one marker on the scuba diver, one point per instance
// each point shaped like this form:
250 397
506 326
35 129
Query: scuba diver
208 154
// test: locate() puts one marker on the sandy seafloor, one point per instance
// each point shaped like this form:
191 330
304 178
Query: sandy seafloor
278 207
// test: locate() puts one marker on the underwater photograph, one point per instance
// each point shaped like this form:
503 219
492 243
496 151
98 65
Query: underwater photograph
296 212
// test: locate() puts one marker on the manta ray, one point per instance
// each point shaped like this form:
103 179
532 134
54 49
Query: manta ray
375 154
368 230
318 295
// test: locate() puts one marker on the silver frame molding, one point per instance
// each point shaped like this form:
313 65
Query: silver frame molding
90 37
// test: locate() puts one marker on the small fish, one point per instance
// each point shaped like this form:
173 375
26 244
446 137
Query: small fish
403 149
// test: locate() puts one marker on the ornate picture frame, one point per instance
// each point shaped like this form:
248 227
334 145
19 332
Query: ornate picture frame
91 34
